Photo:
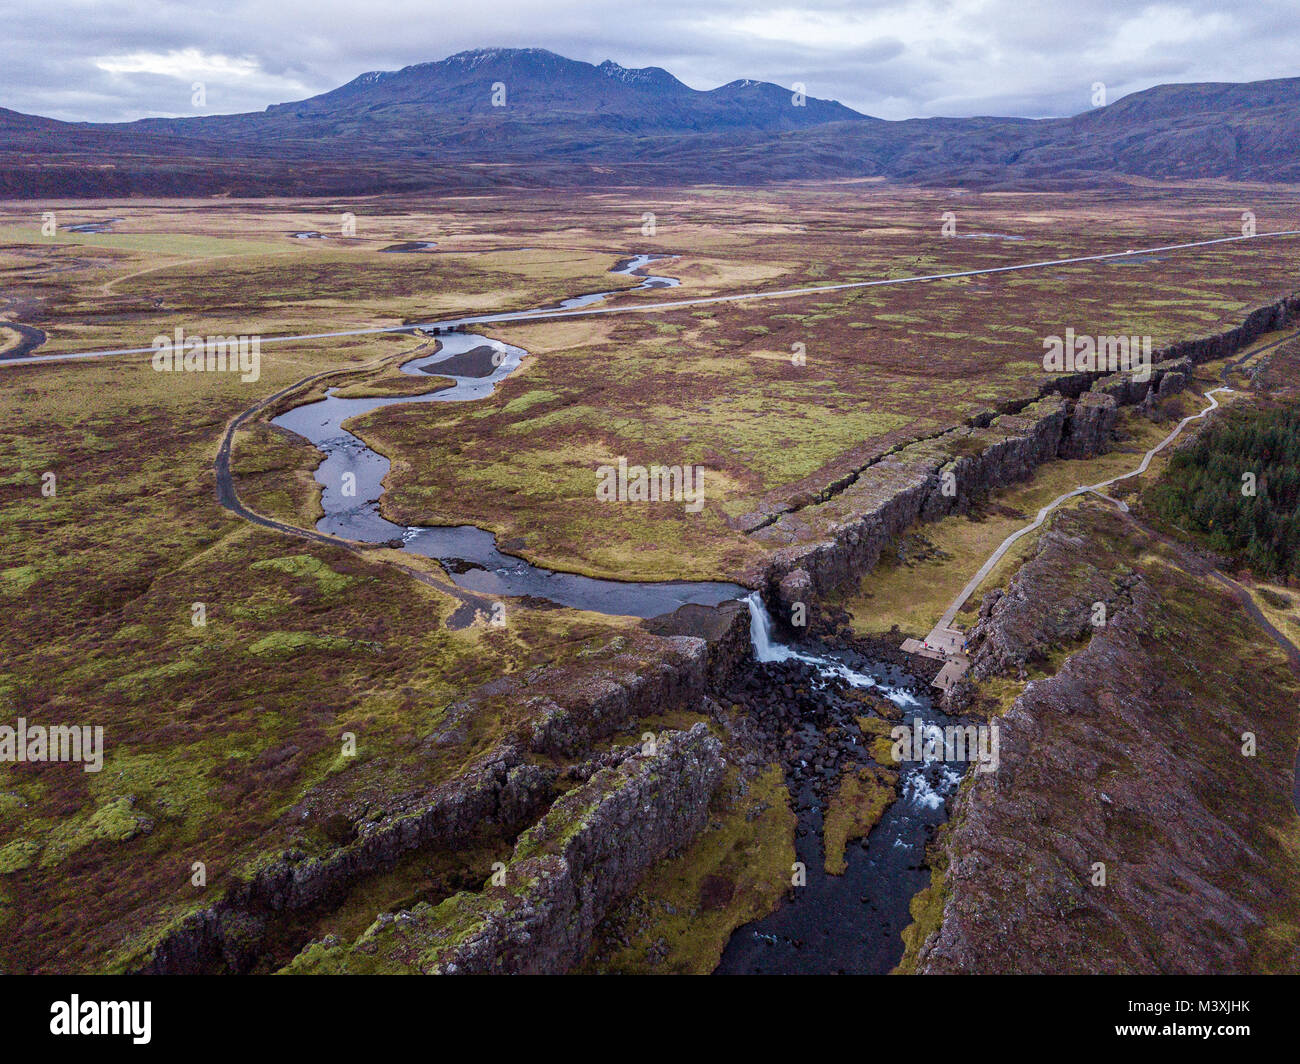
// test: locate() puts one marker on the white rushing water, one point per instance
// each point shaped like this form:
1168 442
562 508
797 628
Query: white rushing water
848 922
767 649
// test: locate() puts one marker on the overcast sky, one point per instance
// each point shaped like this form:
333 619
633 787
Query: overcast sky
112 60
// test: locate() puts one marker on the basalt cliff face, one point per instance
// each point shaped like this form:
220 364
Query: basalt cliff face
922 482
559 723
836 540
538 914
541 743
1127 829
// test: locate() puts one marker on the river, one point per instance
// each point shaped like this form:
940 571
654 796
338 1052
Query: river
846 923
850 923
470 554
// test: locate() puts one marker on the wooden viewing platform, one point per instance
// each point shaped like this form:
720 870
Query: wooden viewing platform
946 644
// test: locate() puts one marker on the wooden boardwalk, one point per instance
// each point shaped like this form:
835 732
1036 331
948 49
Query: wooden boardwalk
946 644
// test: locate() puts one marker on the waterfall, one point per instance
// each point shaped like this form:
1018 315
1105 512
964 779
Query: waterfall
767 649
760 632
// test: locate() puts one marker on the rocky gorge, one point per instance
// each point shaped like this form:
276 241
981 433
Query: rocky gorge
1134 825
579 822
838 538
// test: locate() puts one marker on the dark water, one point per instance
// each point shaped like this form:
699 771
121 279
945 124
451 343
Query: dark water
1295 783
852 923
632 267
92 227
470 554
29 340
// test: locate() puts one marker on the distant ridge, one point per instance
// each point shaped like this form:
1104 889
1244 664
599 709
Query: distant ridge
540 84
562 122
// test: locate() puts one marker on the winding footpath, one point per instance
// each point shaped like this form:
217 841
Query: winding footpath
950 614
945 622
947 642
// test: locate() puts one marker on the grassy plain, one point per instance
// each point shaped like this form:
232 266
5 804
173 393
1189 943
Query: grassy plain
224 740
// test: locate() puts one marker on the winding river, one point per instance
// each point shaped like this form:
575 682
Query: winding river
850 922
475 365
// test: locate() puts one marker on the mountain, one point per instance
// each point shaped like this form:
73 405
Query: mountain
522 103
1245 131
542 85
562 122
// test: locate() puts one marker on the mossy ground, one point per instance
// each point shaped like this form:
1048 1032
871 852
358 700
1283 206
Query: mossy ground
856 808
736 870
220 738
223 741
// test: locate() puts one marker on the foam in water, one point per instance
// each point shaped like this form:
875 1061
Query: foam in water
921 791
767 649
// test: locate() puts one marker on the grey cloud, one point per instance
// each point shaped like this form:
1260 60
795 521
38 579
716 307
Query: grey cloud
894 58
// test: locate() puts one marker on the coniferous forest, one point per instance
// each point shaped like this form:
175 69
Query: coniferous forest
1237 490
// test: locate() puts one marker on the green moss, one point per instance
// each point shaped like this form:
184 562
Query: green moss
529 399
141 681
18 579
304 565
415 940
288 643
10 805
17 855
926 908
882 745
175 776
857 807
113 821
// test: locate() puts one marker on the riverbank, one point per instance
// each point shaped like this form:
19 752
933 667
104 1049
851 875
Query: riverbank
810 800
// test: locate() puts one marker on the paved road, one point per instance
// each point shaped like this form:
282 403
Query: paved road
951 612
228 497
644 308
